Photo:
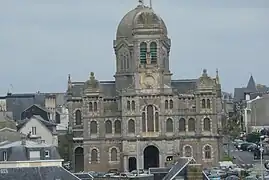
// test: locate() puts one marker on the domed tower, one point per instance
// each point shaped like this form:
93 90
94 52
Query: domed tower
142 50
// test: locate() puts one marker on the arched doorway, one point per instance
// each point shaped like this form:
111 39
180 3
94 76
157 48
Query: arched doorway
132 163
79 159
151 157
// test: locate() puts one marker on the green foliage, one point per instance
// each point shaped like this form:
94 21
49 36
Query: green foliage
232 127
64 146
253 137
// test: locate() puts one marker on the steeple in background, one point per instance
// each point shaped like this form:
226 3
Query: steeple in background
251 84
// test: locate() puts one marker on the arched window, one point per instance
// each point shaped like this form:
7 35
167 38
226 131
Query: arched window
166 104
207 124
95 106
117 126
114 154
90 106
187 151
207 152
203 103
182 125
171 104
128 105
169 125
131 126
108 127
121 62
93 127
133 105
150 120
143 121
191 125
156 121
126 59
153 52
94 156
78 117
143 53
208 104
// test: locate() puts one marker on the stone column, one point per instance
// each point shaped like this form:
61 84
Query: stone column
125 163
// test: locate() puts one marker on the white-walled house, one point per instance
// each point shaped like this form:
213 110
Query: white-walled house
39 129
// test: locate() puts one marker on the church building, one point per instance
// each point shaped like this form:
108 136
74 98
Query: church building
144 116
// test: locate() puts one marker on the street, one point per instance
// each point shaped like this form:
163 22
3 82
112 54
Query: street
243 157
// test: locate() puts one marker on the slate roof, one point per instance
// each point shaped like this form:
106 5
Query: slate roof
108 88
48 124
18 151
16 103
36 173
177 168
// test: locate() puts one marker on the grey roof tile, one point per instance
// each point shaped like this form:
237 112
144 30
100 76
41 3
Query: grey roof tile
36 173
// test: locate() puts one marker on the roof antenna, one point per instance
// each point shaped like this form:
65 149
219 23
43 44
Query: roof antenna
150 4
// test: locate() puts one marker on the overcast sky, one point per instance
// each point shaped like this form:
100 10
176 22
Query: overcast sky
41 42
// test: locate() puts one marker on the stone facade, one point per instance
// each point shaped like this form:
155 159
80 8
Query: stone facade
143 113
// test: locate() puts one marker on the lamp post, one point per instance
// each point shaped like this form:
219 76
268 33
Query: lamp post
261 154
137 154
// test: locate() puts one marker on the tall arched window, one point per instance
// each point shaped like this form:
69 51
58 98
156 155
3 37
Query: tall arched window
171 104
133 105
117 126
156 121
143 53
94 156
128 105
207 152
144 121
78 117
108 127
166 104
95 106
208 104
203 103
153 52
182 125
126 59
93 127
90 106
187 151
114 156
191 125
169 125
131 126
150 119
207 124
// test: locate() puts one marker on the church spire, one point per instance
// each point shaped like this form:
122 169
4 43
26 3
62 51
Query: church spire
217 77
251 84
69 82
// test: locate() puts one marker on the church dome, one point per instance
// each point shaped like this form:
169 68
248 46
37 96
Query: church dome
142 17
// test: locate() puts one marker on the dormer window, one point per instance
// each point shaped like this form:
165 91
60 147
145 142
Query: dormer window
33 131
4 156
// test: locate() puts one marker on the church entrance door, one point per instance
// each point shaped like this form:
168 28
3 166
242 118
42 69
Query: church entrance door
132 164
151 157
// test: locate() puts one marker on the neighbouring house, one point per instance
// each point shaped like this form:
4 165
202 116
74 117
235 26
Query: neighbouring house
39 129
25 160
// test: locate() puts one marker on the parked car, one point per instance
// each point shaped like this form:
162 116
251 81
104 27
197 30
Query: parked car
252 147
244 146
